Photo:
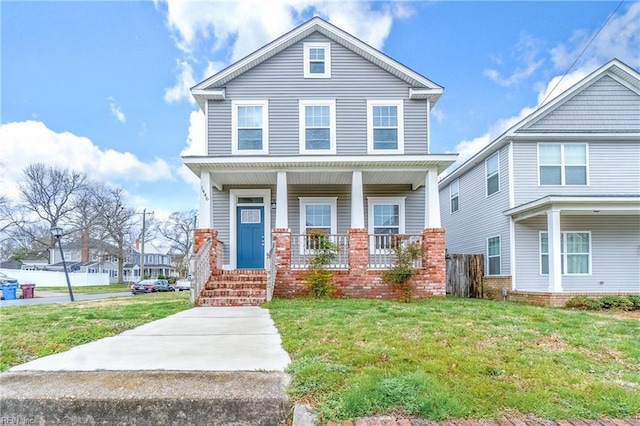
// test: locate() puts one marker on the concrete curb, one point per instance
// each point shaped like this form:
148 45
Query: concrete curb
144 398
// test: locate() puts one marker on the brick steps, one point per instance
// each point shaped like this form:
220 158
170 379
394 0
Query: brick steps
234 288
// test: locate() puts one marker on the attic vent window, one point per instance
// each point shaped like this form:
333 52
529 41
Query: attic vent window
317 60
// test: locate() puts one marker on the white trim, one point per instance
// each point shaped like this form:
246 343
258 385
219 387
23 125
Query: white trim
233 231
327 59
302 104
357 200
400 201
318 201
234 127
486 175
432 200
511 181
499 237
512 253
399 104
206 128
205 208
428 125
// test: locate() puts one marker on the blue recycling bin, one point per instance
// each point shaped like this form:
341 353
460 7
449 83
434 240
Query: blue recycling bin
9 291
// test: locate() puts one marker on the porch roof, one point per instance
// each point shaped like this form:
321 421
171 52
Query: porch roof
320 170
624 204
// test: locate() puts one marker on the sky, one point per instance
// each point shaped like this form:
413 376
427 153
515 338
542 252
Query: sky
103 87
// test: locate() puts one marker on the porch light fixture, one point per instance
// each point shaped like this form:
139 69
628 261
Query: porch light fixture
56 231
273 205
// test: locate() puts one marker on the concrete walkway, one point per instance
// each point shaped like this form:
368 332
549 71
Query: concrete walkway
214 366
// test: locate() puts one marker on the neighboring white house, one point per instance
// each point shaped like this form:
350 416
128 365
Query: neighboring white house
554 202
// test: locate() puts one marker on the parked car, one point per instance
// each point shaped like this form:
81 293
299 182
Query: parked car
6 280
184 284
151 286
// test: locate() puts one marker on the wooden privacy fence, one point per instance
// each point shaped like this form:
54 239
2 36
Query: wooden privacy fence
464 275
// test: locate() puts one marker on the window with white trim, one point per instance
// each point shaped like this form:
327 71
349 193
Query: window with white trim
318 214
492 170
386 218
575 253
385 127
493 256
454 193
317 60
317 126
562 163
250 127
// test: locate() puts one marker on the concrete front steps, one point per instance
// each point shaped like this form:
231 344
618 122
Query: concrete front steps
241 287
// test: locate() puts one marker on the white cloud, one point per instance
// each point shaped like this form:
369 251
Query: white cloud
438 114
116 110
28 142
526 53
196 144
230 30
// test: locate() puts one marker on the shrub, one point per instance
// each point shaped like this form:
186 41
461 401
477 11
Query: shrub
635 300
162 277
319 282
584 302
628 303
317 279
172 280
400 274
616 302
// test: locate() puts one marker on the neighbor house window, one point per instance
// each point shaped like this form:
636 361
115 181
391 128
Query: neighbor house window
318 127
492 169
386 218
385 127
562 164
575 253
317 60
454 192
250 127
493 256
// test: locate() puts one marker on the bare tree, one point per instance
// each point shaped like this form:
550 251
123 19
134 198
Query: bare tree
178 230
49 192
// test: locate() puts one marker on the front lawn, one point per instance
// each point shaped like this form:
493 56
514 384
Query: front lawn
33 331
93 289
442 358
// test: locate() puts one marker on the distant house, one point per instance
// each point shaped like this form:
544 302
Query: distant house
554 202
35 260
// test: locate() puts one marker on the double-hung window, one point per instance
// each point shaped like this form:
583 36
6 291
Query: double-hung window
492 169
318 126
493 256
317 60
250 127
386 218
575 253
454 195
562 164
385 127
318 216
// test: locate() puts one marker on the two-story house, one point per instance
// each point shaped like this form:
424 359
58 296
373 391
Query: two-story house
554 202
317 132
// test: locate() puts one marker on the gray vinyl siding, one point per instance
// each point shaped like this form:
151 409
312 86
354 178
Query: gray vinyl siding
479 217
615 242
604 105
612 169
353 81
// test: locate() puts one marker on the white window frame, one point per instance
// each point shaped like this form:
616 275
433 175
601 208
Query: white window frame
488 176
373 201
265 127
400 108
499 255
318 201
563 164
331 103
452 195
563 253
327 59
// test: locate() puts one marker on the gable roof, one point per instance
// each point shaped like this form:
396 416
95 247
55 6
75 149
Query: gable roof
615 68
212 88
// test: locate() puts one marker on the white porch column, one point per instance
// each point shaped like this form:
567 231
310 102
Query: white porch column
282 211
357 200
432 200
555 256
205 211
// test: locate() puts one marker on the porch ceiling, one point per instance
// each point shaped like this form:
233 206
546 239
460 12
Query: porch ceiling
605 205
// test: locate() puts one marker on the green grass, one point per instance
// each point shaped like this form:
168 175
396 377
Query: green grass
34 331
445 358
94 289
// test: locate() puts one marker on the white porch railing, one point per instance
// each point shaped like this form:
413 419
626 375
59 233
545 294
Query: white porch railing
202 270
381 255
304 247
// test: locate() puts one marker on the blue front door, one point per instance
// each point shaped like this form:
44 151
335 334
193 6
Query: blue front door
250 237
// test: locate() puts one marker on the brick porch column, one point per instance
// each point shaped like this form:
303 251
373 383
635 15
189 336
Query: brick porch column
285 283
358 249
200 237
433 257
